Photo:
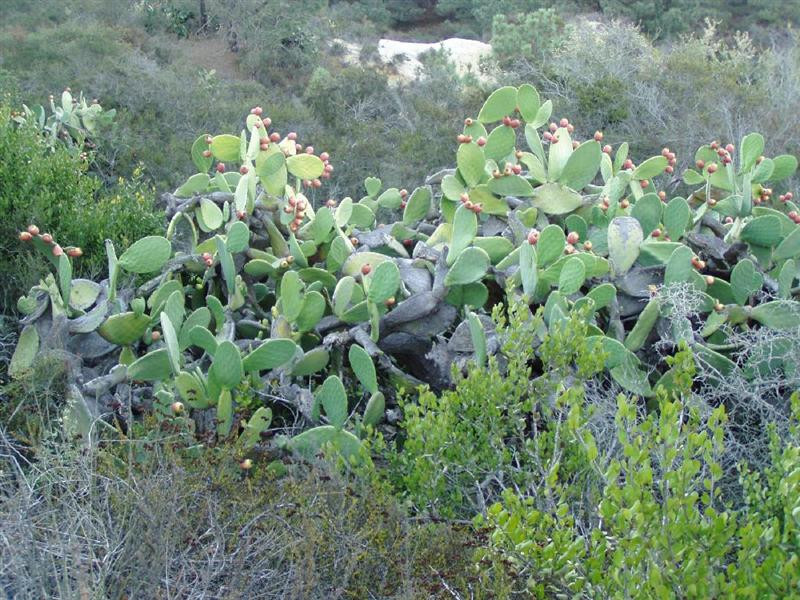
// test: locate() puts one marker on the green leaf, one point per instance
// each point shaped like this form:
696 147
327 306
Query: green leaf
624 237
364 369
789 247
552 242
226 367
751 147
271 354
465 226
418 205
333 398
194 185
146 255
527 268
762 231
650 168
25 351
202 163
573 274
582 165
471 265
783 166
676 217
153 366
510 185
647 211
500 103
471 162
384 282
500 143
372 185
555 199
226 147
679 267
305 166
528 101
745 280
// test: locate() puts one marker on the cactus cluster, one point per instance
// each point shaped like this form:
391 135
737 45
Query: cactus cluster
262 283
72 122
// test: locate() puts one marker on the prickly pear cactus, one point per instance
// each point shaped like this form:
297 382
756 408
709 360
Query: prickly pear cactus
263 285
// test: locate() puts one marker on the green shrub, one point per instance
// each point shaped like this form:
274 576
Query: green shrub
49 186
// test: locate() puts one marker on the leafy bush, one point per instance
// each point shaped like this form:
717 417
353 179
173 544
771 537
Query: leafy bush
44 184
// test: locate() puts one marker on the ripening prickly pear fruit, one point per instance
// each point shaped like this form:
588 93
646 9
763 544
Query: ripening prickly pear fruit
403 193
728 220
607 149
246 464
155 335
644 183
719 307
468 205
266 121
365 269
390 301
569 249
624 203
264 145
33 230
47 238
573 237
176 407
712 168
464 198
712 202
481 141
564 122
515 123
330 203
468 121
220 167
575 144
75 252
57 250
507 121
700 164
298 147
714 145
533 236
587 245
309 149
207 153
244 170
628 164
209 140
24 236
598 136
477 208
730 148
517 169
709 280
328 168
324 157
553 127
669 169
274 137
662 195
292 135
656 233
256 111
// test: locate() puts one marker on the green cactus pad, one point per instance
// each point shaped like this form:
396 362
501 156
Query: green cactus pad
647 211
309 443
363 367
305 166
511 185
146 255
226 147
376 406
153 366
196 184
84 293
528 101
313 361
789 247
271 354
238 237
418 205
124 328
783 166
471 163
224 413
676 217
352 266
478 338
500 103
383 282
171 341
745 280
650 168
778 314
582 166
342 295
333 398
312 311
624 237
372 185
679 266
291 295
202 338
551 244
256 425
471 265
226 368
555 199
202 163
572 276
500 143
762 231
25 352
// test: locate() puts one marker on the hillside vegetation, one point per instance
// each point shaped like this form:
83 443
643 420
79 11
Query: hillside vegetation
284 320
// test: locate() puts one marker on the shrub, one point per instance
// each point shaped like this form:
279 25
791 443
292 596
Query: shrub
49 185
